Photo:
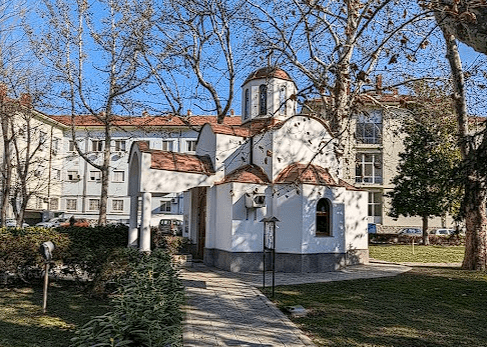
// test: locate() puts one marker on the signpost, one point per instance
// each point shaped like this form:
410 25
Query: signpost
269 243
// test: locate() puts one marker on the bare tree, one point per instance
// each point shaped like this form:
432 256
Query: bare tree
94 51
197 39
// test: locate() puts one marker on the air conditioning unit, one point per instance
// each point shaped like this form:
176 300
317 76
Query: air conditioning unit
254 200
174 200
77 177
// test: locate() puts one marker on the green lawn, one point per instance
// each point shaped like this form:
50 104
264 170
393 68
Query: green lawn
424 307
23 324
422 254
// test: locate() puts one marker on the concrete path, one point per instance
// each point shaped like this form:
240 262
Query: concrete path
225 309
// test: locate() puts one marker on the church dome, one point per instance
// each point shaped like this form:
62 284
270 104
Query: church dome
268 72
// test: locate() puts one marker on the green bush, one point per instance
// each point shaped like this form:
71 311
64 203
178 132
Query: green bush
90 247
19 250
146 307
83 251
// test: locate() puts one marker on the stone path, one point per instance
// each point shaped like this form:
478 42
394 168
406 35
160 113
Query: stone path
225 309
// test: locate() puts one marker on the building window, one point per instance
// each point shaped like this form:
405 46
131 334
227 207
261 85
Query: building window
369 127
95 175
73 176
165 206
56 174
262 99
120 145
54 204
368 168
117 205
118 176
283 100
96 145
71 147
375 206
191 145
167 145
323 218
55 146
94 204
71 204
39 203
42 139
246 104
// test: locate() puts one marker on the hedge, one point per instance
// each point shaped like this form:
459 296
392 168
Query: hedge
83 251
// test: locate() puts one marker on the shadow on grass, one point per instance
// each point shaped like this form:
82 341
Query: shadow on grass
424 307
23 324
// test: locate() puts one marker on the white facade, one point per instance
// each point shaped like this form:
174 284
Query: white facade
274 165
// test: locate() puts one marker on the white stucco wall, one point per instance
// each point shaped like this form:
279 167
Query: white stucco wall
299 140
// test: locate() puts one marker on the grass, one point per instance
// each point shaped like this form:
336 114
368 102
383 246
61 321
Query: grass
422 254
22 323
424 307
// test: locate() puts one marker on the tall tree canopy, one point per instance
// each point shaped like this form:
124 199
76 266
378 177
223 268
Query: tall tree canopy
424 183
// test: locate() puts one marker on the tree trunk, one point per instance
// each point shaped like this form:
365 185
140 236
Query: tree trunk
476 225
475 192
426 240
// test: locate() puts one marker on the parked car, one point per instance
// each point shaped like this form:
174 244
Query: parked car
411 232
80 222
171 226
53 222
442 232
12 223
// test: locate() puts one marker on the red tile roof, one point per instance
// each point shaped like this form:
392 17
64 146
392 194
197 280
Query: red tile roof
174 161
246 174
268 72
310 174
89 120
230 130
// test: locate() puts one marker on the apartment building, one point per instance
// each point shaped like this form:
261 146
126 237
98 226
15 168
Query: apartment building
81 182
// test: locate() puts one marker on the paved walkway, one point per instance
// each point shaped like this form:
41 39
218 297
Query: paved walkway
225 309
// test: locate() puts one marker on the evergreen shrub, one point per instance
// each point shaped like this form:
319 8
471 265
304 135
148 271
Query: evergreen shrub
146 306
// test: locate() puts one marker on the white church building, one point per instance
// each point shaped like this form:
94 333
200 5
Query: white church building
276 164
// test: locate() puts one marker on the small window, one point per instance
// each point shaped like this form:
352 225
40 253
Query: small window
167 145
283 100
247 104
71 204
73 176
117 205
94 204
39 203
191 145
42 139
56 174
262 99
118 176
71 147
120 145
323 218
54 204
55 146
96 145
165 206
95 175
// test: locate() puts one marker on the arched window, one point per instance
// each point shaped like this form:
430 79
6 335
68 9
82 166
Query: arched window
323 218
262 99
282 100
246 103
